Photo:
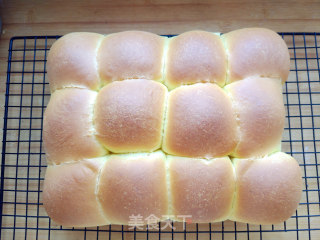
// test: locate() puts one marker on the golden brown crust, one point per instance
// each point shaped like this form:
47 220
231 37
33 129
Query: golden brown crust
68 133
195 56
256 52
133 184
129 115
131 55
200 188
203 123
200 122
69 194
72 61
268 189
260 112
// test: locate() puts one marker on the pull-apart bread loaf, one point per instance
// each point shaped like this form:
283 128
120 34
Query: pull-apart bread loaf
144 125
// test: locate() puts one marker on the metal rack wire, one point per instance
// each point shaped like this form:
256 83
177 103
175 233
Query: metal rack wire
23 160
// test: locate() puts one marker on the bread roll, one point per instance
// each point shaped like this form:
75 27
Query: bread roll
68 132
69 193
195 56
202 189
260 118
129 115
268 190
72 61
139 58
143 127
199 122
132 185
256 52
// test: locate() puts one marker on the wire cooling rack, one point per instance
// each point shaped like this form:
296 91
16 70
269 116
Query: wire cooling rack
24 164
